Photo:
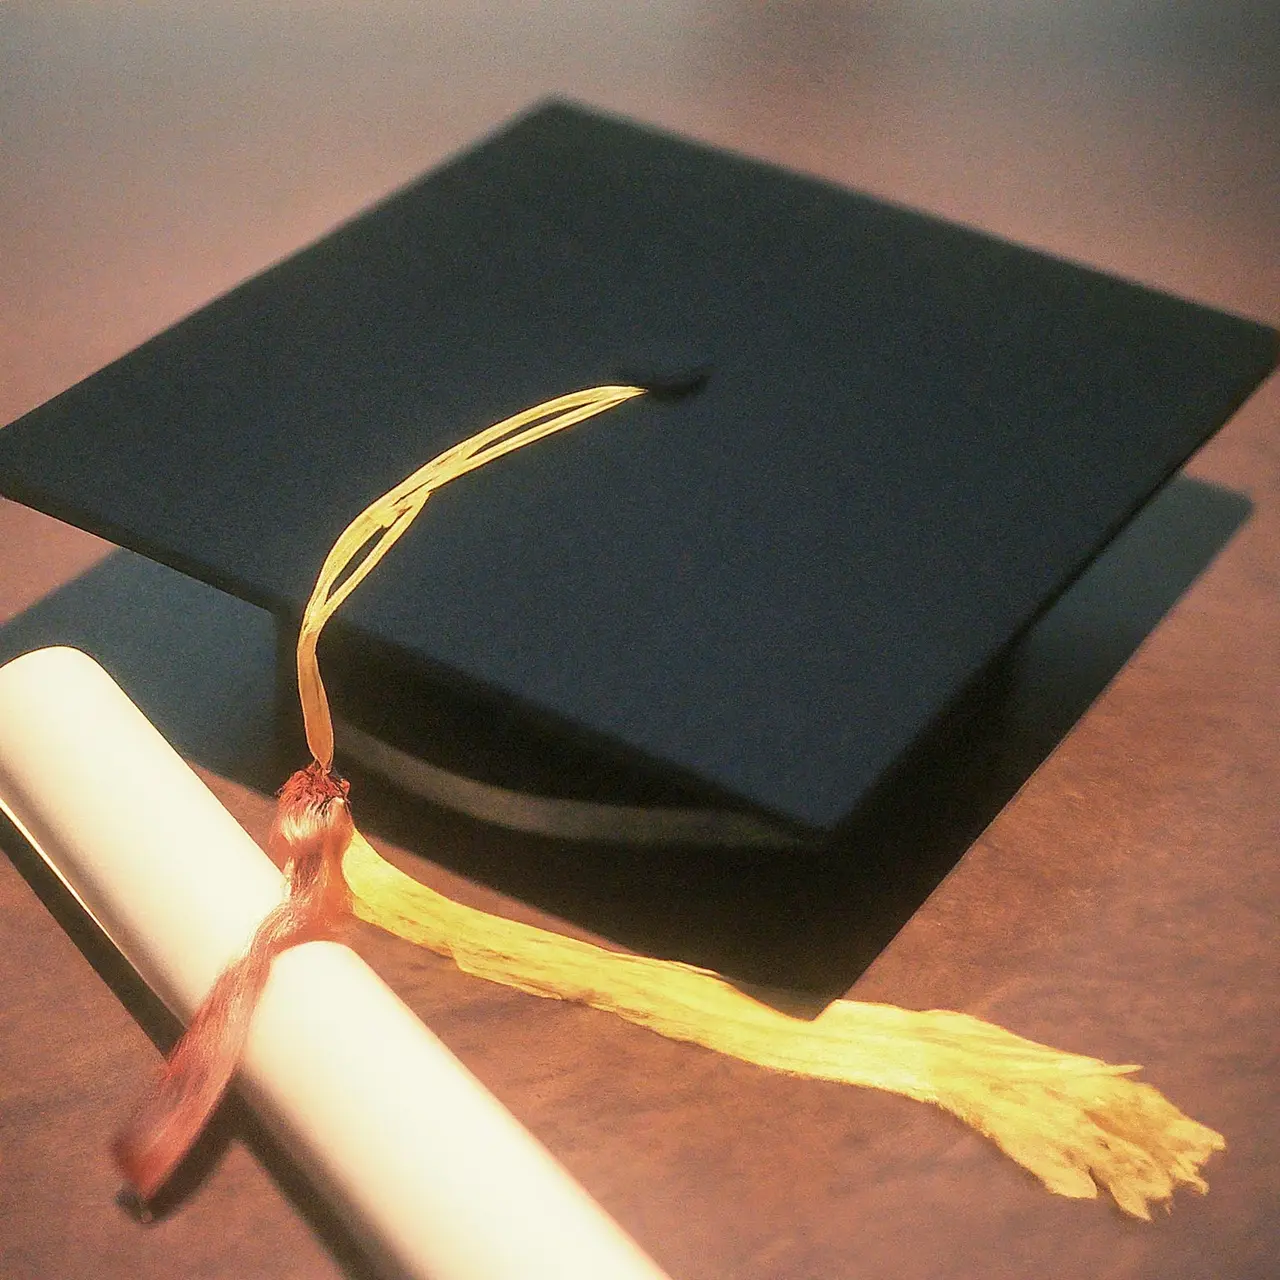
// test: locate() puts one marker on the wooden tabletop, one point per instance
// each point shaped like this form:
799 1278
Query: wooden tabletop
1122 905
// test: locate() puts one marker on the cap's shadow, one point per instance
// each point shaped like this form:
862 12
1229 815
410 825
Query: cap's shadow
807 921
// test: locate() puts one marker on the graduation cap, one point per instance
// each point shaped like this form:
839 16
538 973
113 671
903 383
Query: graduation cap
904 440
875 448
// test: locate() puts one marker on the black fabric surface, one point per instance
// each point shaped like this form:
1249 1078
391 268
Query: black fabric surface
912 438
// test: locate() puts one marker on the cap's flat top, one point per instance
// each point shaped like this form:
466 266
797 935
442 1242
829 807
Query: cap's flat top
913 438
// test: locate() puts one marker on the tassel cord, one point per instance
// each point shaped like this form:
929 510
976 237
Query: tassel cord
384 521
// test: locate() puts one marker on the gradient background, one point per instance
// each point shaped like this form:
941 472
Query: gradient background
154 154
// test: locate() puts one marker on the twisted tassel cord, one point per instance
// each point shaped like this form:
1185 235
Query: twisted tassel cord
1076 1123
383 522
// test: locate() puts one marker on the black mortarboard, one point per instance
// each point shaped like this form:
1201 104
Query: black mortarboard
904 440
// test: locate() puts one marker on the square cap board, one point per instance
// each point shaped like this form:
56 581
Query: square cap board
912 438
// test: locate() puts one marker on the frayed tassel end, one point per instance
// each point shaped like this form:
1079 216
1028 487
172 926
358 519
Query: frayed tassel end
1076 1123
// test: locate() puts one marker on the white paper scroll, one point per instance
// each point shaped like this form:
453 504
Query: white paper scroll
425 1163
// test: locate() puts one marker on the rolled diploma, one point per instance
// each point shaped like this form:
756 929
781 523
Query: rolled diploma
423 1161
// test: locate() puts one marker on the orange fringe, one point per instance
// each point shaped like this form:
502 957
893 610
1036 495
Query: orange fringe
311 831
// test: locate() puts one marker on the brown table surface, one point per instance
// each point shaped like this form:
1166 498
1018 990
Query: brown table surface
1123 905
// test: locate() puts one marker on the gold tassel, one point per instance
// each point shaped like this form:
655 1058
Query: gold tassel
1075 1122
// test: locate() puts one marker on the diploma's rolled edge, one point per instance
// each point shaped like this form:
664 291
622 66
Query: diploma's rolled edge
421 1200
501 1204
127 807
